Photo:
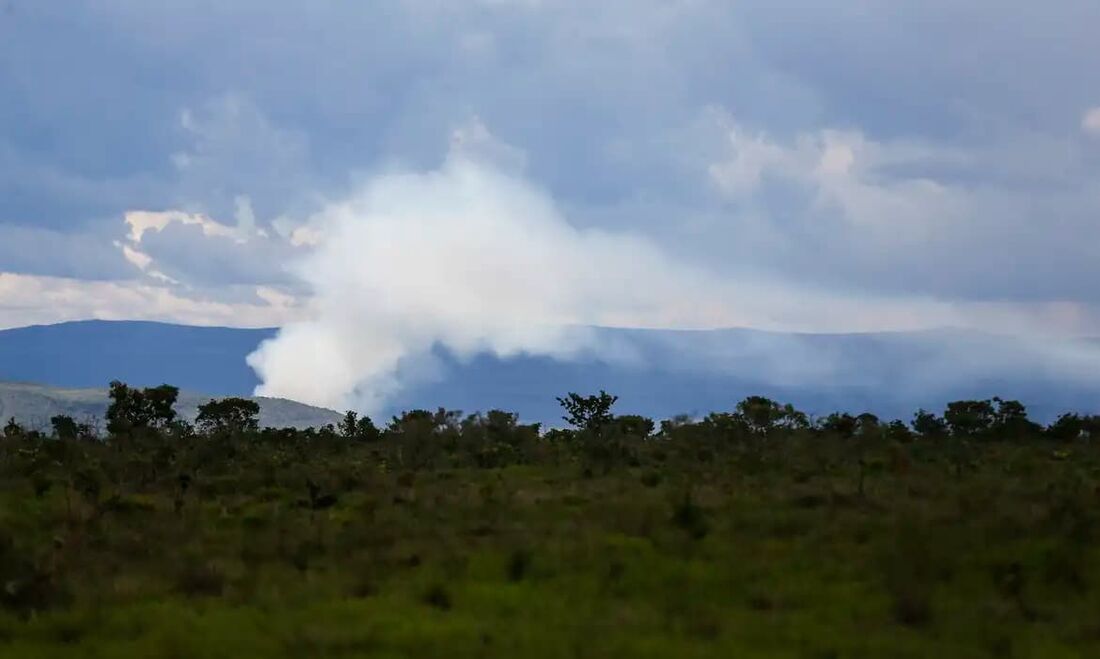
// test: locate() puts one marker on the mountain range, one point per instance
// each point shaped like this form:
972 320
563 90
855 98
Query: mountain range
659 373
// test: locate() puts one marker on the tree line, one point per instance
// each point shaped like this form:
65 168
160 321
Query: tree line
591 418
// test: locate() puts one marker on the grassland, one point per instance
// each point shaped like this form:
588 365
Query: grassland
689 545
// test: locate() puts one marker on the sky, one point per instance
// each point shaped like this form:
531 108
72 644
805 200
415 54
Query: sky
492 173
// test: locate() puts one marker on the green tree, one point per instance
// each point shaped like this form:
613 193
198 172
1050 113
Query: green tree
763 415
866 438
928 425
228 416
348 427
1067 428
1010 421
840 424
1071 427
793 419
360 428
867 425
13 430
365 430
131 408
497 438
412 422
589 413
897 431
634 425
720 424
64 427
421 435
970 418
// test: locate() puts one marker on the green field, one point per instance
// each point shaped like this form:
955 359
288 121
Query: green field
443 537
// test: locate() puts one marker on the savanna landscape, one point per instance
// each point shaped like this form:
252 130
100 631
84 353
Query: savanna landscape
757 532
549 329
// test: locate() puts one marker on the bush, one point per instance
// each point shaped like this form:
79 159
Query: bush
26 587
437 596
199 578
691 518
519 563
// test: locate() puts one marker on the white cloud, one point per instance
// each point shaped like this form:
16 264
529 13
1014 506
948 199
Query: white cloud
28 299
847 173
191 248
278 299
1090 122
904 216
236 156
304 236
752 156
142 221
473 141
246 218
139 259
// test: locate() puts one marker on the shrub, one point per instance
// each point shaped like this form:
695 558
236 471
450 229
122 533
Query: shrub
690 517
199 578
437 596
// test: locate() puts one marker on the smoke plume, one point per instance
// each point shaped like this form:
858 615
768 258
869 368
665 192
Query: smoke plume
474 259
470 258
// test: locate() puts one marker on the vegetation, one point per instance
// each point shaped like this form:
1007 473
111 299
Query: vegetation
756 532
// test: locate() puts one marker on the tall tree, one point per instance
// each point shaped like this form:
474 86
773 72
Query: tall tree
133 408
588 412
228 416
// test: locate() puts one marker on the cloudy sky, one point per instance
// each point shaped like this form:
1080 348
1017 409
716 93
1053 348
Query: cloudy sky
852 165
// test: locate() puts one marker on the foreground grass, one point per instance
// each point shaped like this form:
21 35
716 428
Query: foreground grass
766 550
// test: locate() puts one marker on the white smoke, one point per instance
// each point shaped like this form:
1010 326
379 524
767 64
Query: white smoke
470 258
473 258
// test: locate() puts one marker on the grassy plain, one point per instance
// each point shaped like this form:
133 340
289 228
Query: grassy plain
678 549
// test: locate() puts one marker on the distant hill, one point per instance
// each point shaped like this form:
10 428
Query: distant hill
92 353
33 406
658 373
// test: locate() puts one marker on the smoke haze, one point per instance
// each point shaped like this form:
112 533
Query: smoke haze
474 259
470 258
